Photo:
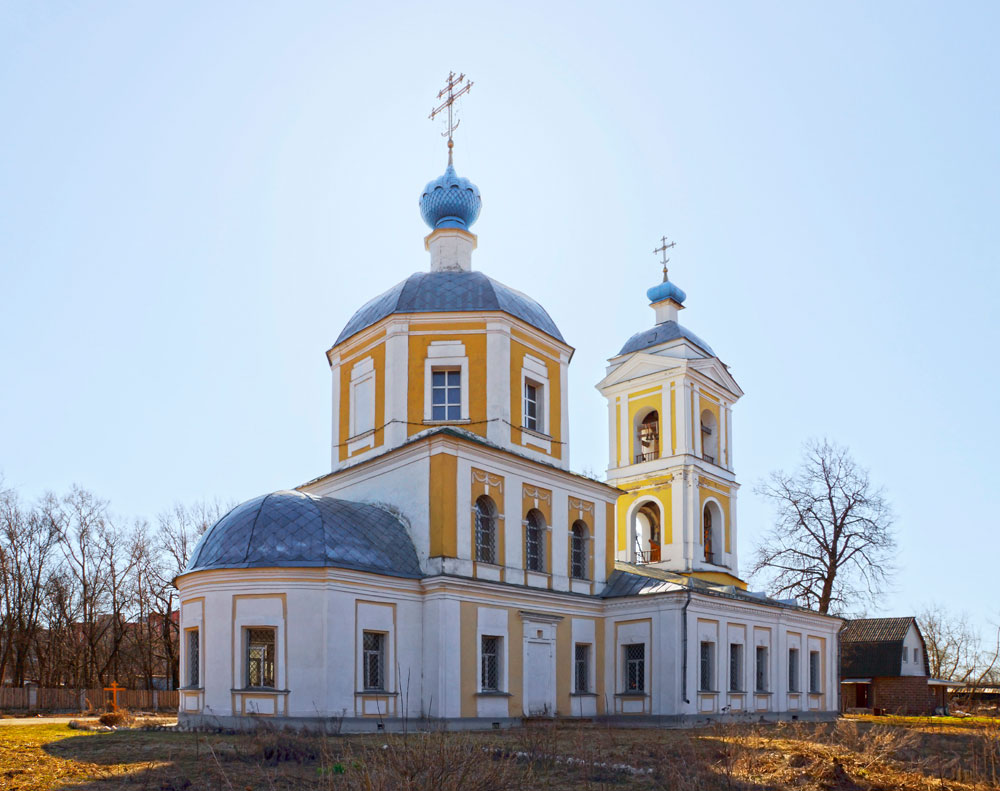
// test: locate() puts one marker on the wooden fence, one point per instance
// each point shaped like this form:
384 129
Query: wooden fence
82 700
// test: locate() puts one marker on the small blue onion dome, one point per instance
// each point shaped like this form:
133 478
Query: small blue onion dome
666 290
450 201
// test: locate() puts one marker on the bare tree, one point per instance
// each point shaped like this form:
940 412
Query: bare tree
956 650
832 543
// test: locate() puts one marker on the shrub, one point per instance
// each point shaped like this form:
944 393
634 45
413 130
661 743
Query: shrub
117 718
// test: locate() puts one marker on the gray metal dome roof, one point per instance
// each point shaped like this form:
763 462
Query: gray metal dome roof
296 529
661 333
450 292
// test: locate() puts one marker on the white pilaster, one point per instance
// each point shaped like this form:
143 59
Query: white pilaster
564 413
396 377
666 422
335 406
498 383
729 438
685 440
612 431
624 454
723 429
696 420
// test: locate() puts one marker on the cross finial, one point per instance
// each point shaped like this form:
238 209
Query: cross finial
664 246
453 91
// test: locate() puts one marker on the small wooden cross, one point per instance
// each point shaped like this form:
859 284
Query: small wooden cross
664 246
114 689
453 83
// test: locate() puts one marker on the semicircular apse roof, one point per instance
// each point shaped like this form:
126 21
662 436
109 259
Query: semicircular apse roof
450 292
661 333
296 529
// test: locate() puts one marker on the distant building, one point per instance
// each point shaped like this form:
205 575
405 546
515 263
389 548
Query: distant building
884 668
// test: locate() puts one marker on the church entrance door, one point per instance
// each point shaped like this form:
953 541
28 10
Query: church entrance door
539 691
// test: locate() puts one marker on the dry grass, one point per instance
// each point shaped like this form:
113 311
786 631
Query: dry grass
845 756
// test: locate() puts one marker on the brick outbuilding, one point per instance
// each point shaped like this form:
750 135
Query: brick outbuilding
884 668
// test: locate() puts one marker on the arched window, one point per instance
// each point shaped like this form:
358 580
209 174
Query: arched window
578 551
486 530
709 437
711 524
647 437
647 534
534 541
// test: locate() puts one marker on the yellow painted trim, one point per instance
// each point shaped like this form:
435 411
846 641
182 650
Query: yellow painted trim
443 505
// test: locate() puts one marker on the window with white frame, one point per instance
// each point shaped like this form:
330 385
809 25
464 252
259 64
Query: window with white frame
706 678
532 406
535 397
446 394
362 397
373 660
486 530
260 657
793 670
578 550
735 667
761 669
446 382
193 657
534 541
581 668
815 686
634 666
489 673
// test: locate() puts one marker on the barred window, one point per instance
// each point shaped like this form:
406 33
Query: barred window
761 669
581 668
707 677
735 667
579 551
260 657
635 667
193 657
446 395
490 664
814 672
486 530
534 540
793 670
373 660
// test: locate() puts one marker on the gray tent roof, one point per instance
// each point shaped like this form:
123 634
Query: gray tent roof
661 333
450 292
297 529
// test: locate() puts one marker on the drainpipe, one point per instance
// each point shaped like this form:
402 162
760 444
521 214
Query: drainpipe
684 645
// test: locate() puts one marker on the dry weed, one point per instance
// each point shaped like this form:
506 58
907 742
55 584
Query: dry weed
116 718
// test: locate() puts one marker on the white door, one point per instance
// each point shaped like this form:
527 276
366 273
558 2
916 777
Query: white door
539 679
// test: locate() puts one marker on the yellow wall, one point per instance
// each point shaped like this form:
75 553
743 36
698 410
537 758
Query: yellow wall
580 511
443 506
475 351
707 403
492 486
541 499
638 403
518 349
654 487
719 493
348 359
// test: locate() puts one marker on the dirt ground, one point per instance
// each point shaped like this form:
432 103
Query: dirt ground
848 755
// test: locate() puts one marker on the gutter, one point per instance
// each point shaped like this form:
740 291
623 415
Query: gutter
684 646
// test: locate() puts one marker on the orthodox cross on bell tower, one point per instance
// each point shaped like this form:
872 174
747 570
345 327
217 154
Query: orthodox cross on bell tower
664 246
453 89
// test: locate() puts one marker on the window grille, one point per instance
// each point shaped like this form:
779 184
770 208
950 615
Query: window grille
581 668
578 557
373 647
193 657
814 682
707 670
735 667
490 669
761 669
532 396
486 530
793 670
446 395
635 667
260 657
534 539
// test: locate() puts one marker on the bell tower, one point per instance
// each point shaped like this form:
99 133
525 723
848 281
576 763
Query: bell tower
670 428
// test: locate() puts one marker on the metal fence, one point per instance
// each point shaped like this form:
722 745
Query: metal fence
82 700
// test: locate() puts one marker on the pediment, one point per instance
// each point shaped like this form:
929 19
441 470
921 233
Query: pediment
712 368
640 365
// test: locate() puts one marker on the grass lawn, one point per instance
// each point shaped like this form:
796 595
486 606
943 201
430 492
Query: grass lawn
845 756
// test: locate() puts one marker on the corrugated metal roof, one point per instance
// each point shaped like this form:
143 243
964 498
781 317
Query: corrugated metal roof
871 647
297 529
876 630
450 292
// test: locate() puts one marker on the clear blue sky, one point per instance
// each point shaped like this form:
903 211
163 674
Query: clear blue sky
196 196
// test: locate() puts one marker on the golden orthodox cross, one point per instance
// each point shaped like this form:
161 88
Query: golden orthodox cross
453 89
663 249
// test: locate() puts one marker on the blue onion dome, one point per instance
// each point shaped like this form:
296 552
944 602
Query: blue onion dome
666 290
450 201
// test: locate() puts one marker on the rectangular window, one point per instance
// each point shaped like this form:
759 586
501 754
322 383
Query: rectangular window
532 404
373 660
490 664
761 669
193 657
260 658
635 667
581 668
814 683
916 654
446 394
735 667
793 670
906 654
707 667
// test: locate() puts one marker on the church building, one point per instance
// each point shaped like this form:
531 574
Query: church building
452 567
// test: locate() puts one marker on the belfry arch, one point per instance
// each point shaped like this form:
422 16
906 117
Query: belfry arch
712 532
645 532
